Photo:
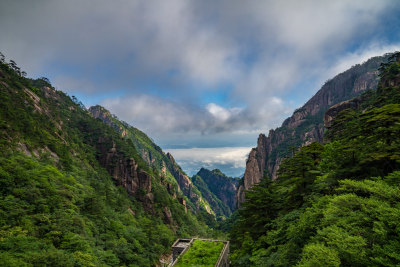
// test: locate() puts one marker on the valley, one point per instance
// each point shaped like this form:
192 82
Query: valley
80 187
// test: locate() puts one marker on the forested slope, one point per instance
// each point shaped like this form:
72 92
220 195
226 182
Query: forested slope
336 204
218 189
72 191
178 182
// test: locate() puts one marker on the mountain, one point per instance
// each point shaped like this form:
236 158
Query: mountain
218 189
306 124
76 192
177 180
334 203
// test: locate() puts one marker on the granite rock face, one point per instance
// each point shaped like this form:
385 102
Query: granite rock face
333 111
104 115
306 125
125 172
185 184
154 156
255 166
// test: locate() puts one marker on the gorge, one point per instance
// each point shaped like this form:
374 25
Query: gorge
83 186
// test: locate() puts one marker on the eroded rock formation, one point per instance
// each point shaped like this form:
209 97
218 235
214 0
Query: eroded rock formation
154 156
185 184
125 171
306 125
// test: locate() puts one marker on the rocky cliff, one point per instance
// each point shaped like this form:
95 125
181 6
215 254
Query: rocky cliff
125 172
107 118
176 181
186 185
333 111
306 124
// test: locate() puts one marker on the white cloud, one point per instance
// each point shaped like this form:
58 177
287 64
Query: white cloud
232 158
204 42
220 113
182 50
158 116
154 114
73 84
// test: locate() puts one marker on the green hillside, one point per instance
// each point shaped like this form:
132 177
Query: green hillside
218 189
73 192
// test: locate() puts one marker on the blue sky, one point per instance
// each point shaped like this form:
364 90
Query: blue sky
196 74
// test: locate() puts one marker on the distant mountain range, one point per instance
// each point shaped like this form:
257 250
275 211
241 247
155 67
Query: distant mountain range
218 189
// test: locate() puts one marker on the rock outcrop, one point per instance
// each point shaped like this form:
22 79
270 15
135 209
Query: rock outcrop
104 115
306 125
183 202
183 180
125 172
333 111
154 156
186 185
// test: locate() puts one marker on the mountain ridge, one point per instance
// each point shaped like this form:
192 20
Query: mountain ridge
218 189
306 123
334 203
76 192
154 156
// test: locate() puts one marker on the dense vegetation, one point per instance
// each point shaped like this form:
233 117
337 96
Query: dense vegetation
218 189
59 205
201 253
333 204
163 163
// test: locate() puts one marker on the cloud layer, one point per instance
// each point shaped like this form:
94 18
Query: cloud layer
231 159
182 50
198 70
156 115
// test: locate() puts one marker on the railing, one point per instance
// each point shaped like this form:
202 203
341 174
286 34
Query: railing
223 257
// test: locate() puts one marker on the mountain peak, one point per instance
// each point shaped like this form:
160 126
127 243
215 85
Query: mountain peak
306 124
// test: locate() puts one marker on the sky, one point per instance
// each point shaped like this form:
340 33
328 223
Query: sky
202 78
